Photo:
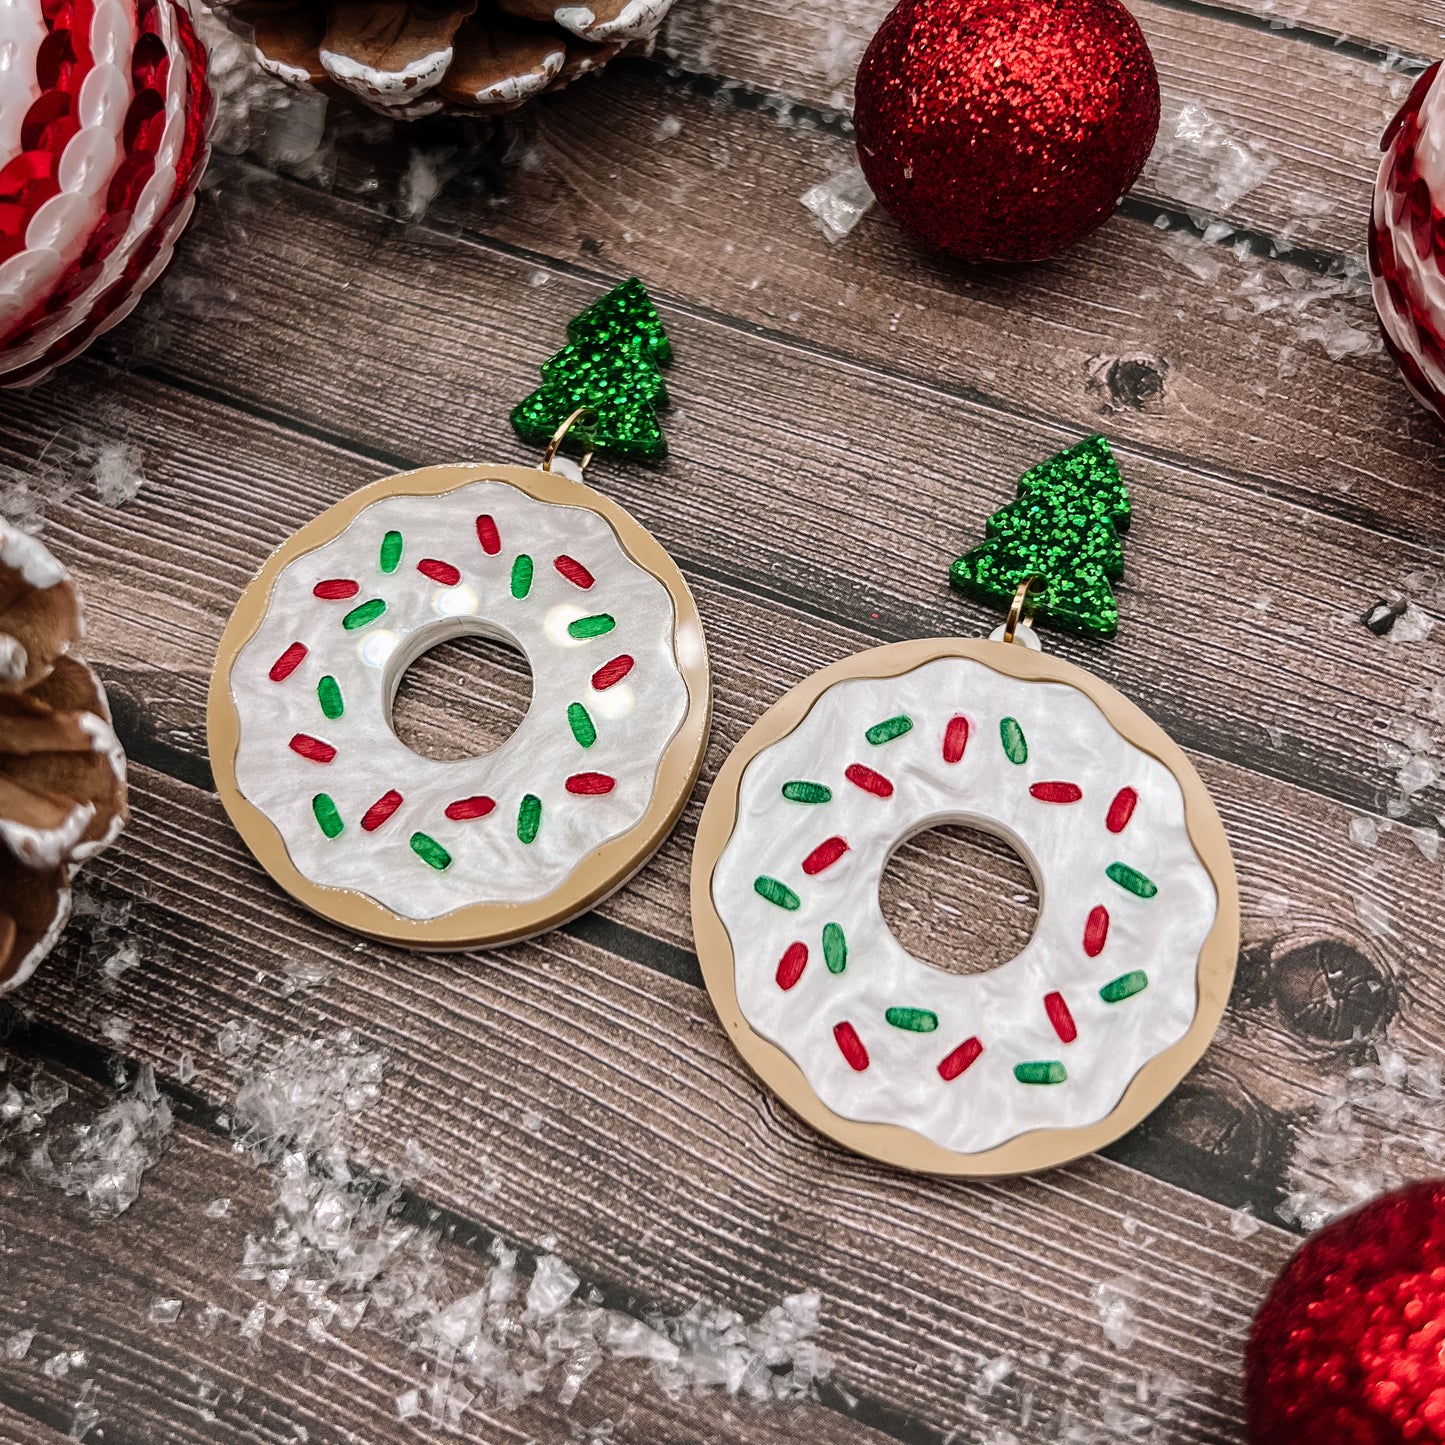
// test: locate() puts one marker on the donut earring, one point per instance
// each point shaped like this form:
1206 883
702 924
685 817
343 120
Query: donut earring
1119 991
486 850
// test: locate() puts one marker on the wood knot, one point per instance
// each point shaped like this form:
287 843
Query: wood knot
1130 383
1329 990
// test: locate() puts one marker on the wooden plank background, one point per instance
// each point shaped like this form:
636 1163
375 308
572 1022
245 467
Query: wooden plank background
845 418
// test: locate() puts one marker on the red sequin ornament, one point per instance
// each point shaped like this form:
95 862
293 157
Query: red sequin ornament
1005 130
1346 1350
1407 241
98 172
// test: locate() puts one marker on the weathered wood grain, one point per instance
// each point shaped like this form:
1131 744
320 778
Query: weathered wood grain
24 1429
1227 367
83 1285
1317 113
1232 587
565 1092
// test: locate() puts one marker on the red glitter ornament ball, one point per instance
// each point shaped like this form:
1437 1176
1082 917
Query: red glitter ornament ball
1347 1348
1005 130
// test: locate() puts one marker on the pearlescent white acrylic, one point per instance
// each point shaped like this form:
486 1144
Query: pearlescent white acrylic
489 863
1068 847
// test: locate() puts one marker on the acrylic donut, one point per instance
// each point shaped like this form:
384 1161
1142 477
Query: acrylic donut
1059 1050
480 851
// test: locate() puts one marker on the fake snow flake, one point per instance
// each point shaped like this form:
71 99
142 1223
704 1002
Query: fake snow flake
839 202
1202 164
1243 1223
165 1311
116 473
18 1345
104 1160
1116 1314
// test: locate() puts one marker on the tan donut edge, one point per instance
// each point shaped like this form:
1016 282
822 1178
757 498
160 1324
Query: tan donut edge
893 1144
480 925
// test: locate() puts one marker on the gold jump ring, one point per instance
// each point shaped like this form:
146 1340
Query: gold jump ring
1016 613
560 435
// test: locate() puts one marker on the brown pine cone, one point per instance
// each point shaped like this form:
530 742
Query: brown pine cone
410 58
62 771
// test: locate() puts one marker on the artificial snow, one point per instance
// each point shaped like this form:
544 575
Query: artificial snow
116 472
840 202
105 1159
1199 162
342 1253
1381 1125
1113 1301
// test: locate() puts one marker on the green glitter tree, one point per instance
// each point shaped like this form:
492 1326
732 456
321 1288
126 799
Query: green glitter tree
1065 528
610 363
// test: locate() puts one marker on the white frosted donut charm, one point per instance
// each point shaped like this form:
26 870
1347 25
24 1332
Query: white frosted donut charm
483 850
1059 1050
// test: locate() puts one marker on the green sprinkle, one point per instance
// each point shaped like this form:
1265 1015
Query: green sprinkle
521 576
360 616
529 817
799 792
582 727
1015 744
915 1020
835 948
885 732
778 893
328 694
390 551
326 814
1125 987
430 851
1132 880
596 626
1044 1072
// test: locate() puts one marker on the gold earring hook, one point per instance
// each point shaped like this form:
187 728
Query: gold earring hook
560 435
1016 612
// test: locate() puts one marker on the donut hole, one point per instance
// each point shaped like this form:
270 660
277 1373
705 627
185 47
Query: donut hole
959 899
462 698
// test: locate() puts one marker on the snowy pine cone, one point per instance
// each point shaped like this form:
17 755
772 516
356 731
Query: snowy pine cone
409 59
62 771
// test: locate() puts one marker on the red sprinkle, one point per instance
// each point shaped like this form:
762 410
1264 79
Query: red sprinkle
381 810
792 964
442 573
288 662
336 589
1096 931
312 748
1060 1017
465 809
1121 810
869 781
851 1046
827 853
590 785
611 672
1057 792
955 740
488 536
574 571
960 1059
